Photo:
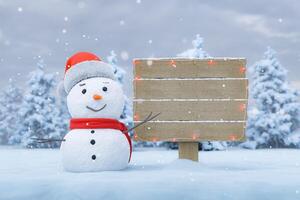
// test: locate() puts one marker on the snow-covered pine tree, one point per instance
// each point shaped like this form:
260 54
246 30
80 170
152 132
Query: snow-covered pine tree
10 102
275 114
126 116
198 52
63 116
39 111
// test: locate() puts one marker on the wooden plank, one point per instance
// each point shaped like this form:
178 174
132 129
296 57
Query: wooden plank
191 89
190 68
192 110
190 131
188 150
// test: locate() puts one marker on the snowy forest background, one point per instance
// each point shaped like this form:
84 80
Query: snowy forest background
39 110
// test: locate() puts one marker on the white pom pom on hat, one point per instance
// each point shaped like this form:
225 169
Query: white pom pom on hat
84 65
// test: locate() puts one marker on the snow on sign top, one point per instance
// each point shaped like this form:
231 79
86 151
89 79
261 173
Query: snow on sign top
211 93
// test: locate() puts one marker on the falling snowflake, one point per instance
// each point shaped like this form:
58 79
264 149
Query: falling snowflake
124 55
66 19
122 22
254 111
20 9
280 20
64 31
138 1
150 41
149 62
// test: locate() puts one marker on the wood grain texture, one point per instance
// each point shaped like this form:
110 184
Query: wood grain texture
190 68
188 150
203 99
191 89
192 110
179 131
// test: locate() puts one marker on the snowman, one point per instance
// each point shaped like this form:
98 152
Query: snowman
97 141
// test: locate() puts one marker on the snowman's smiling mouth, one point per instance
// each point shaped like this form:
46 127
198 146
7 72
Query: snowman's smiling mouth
96 110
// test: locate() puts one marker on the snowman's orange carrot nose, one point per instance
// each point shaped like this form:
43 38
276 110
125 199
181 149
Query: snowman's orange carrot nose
97 97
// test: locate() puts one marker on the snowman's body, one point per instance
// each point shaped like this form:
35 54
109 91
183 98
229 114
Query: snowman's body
94 149
87 150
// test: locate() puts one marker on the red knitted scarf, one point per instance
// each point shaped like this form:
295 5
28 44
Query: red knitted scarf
101 123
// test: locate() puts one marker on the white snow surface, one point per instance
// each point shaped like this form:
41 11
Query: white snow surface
155 174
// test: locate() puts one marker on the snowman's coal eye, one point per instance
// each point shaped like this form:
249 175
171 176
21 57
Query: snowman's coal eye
83 91
104 89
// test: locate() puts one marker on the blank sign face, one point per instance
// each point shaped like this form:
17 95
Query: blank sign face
199 99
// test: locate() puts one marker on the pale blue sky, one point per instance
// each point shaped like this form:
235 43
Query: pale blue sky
56 29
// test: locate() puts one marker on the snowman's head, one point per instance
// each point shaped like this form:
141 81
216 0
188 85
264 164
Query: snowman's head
96 97
91 88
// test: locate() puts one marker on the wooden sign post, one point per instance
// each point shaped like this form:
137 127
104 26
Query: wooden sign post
199 100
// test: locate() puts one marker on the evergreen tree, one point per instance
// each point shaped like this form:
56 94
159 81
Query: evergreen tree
126 116
275 114
40 116
64 114
10 102
198 52
61 119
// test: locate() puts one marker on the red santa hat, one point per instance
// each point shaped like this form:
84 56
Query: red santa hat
84 65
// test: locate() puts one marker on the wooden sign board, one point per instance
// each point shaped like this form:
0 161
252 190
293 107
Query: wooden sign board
199 100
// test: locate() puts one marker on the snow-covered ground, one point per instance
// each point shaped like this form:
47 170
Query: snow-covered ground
155 174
